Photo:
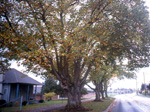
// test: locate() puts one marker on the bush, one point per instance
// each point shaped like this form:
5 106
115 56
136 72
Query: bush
2 102
10 104
41 101
24 103
31 99
84 91
49 95
16 104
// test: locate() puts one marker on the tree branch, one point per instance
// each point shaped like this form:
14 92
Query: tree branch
90 87
75 2
86 74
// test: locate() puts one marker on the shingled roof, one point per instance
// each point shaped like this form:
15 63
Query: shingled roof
14 76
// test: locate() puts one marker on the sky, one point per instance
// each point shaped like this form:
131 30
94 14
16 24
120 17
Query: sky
148 4
143 75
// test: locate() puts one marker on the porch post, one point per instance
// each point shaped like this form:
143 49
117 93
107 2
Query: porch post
28 92
42 92
35 91
10 93
17 91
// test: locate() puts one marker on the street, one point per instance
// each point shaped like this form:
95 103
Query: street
130 103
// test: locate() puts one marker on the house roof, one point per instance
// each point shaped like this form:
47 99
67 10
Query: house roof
14 76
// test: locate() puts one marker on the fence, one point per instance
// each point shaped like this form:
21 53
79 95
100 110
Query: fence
16 102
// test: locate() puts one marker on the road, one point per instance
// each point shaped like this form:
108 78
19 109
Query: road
130 103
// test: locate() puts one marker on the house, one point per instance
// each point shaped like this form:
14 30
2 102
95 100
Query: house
14 84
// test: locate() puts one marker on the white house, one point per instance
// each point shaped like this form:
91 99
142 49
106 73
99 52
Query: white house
14 84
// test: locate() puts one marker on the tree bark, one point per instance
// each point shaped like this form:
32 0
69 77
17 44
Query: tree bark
105 89
106 95
97 93
74 98
102 90
97 98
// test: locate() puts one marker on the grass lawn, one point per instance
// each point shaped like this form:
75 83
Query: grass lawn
112 95
96 106
33 106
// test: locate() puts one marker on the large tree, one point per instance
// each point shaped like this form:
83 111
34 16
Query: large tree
65 37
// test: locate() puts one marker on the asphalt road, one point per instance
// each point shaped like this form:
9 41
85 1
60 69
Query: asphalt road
130 103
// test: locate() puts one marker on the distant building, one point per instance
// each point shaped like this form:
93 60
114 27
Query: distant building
14 84
123 91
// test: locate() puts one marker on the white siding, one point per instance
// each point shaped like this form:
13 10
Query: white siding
6 92
1 85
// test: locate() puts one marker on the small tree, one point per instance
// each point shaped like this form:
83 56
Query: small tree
51 85
49 95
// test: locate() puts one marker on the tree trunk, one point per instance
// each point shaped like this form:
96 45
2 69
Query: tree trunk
97 93
102 93
106 95
102 90
97 98
105 89
73 101
74 98
72 85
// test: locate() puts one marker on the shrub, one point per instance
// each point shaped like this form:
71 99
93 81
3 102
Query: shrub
10 104
31 99
41 101
2 102
49 95
16 104
24 103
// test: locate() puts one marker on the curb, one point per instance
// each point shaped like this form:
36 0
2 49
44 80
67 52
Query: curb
109 109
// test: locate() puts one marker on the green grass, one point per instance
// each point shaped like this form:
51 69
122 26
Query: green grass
98 106
33 106
95 106
111 95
